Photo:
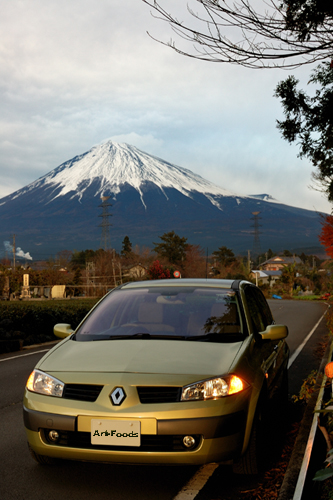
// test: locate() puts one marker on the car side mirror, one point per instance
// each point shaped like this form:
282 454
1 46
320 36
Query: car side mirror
274 332
62 330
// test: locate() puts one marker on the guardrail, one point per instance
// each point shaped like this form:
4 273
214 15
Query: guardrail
310 447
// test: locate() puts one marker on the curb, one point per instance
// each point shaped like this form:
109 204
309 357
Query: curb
34 346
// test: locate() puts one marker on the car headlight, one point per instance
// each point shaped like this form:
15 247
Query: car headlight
45 384
213 388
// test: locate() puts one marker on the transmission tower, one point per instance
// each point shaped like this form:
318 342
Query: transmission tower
105 225
256 232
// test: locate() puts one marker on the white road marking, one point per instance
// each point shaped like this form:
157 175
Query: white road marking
21 355
300 347
196 483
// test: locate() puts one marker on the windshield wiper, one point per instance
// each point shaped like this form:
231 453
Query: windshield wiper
218 337
143 336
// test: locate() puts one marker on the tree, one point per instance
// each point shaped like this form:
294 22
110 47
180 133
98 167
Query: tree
79 259
326 235
288 276
173 247
309 120
195 265
127 247
76 281
5 262
225 256
64 258
288 33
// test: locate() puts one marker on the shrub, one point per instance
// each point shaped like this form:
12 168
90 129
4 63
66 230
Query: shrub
32 322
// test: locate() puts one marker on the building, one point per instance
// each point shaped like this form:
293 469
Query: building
278 262
265 277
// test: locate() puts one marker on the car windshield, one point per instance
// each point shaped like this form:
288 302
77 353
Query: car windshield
176 313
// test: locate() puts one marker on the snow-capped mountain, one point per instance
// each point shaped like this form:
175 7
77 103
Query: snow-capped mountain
114 165
149 197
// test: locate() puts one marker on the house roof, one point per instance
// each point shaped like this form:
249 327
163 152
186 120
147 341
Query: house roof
264 274
280 259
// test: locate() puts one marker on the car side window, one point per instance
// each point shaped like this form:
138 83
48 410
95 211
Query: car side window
259 310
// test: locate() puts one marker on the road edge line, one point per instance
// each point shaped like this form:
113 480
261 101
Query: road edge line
196 483
300 347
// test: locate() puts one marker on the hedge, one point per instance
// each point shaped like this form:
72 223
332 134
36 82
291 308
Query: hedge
25 323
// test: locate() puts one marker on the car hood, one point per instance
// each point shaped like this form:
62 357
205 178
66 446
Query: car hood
141 356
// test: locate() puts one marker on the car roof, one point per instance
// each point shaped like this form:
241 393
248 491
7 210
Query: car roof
185 282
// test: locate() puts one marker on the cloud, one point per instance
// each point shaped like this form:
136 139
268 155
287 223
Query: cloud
18 251
74 73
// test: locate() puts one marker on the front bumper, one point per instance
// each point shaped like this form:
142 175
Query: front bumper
217 439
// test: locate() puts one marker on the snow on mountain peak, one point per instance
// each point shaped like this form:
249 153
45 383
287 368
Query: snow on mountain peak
114 164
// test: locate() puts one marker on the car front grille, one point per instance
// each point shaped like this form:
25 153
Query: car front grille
147 395
149 442
82 392
152 395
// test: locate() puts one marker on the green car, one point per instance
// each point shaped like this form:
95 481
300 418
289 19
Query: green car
163 372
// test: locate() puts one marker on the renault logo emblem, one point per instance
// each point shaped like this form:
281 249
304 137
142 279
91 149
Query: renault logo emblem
117 396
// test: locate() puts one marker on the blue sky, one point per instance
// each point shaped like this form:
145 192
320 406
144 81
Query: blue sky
73 74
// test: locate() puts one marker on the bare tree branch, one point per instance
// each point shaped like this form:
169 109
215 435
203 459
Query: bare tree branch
286 34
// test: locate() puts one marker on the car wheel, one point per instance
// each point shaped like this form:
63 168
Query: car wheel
279 416
42 459
253 459
263 442
284 393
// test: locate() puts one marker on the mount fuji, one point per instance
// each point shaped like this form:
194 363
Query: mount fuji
149 197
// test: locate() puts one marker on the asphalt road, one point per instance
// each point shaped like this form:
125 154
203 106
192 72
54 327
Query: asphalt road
22 479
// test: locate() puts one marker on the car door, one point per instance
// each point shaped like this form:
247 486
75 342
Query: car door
272 354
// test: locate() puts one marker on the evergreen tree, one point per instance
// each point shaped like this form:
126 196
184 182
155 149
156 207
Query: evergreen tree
173 248
127 247
79 259
225 256
309 121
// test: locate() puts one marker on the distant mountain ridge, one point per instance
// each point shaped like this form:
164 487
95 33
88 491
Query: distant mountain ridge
149 197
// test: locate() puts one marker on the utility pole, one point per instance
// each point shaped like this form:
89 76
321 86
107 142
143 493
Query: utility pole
105 225
14 252
256 232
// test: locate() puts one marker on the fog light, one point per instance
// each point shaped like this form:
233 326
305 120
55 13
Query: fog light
189 441
54 436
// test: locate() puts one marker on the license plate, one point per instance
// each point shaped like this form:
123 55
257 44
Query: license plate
116 432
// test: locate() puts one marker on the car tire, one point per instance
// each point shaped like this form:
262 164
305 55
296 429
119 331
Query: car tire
262 442
42 459
280 416
252 461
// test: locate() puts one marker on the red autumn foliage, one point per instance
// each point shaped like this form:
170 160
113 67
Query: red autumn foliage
157 272
326 235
